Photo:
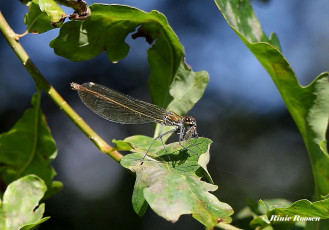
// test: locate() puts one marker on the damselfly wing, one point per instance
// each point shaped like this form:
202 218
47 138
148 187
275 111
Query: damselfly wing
120 108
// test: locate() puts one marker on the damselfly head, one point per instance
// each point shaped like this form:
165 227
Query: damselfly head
75 86
189 121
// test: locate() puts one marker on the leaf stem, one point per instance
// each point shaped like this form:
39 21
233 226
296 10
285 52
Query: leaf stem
42 83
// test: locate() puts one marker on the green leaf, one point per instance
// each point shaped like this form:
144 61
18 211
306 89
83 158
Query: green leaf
122 145
106 30
256 214
172 83
185 91
309 106
28 148
20 204
168 179
295 214
43 15
303 208
241 18
266 214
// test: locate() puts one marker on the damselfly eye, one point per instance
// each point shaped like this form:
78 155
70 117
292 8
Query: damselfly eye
189 121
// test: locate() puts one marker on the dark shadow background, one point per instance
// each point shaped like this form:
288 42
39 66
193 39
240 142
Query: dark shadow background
257 151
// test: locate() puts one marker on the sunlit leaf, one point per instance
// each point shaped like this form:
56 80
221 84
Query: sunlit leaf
185 91
43 15
20 204
168 179
309 105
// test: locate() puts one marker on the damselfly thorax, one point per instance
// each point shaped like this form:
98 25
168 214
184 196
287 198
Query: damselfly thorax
120 108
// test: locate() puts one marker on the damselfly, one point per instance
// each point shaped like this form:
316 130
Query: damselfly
120 108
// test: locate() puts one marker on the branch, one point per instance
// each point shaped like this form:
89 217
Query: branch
42 83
